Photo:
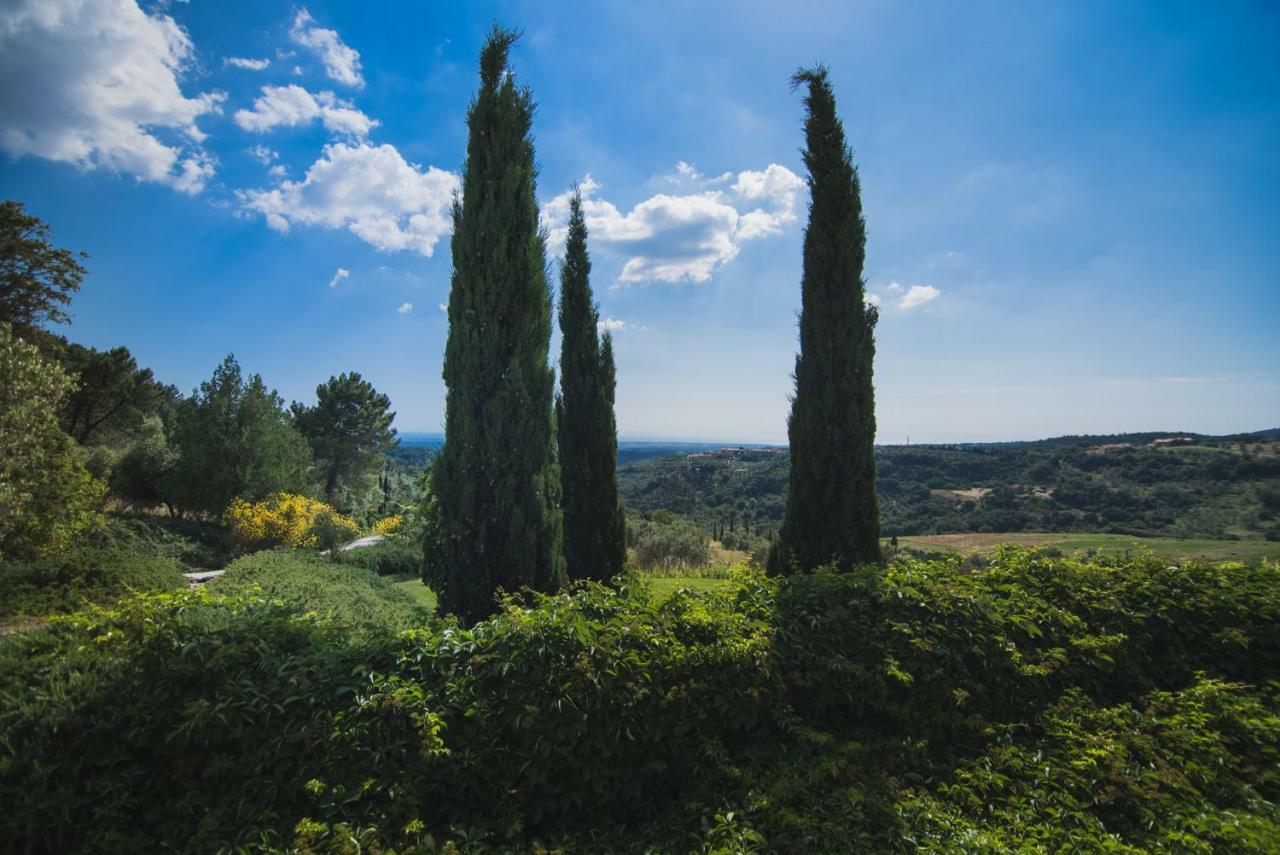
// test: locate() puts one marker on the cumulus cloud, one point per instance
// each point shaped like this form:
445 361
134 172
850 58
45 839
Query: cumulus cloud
341 274
369 190
918 295
247 64
687 237
405 308
292 105
872 299
341 63
96 85
610 325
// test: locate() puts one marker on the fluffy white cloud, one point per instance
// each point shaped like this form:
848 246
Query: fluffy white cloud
611 325
247 64
918 295
872 299
405 308
679 238
342 273
370 190
341 63
292 105
96 85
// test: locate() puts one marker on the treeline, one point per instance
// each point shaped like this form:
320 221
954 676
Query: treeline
1218 487
86 429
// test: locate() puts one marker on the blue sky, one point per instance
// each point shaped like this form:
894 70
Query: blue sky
1073 209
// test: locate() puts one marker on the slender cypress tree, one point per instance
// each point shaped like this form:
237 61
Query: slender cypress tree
833 516
595 538
496 483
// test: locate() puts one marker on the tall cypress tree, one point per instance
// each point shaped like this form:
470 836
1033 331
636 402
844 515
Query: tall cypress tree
833 516
595 538
496 483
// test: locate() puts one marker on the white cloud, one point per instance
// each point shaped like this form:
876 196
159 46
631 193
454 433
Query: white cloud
405 308
96 85
278 171
247 64
370 190
341 274
678 238
611 325
872 299
264 155
292 105
444 307
341 63
893 286
918 295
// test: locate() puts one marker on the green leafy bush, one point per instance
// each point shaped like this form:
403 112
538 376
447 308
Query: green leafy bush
80 576
1033 705
352 596
393 557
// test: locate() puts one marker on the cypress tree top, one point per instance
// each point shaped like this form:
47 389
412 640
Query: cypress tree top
496 482
832 510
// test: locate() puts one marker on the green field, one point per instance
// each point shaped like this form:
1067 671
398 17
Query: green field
1173 547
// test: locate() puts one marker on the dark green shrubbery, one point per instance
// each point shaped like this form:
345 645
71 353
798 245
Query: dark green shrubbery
80 576
350 595
398 556
1036 705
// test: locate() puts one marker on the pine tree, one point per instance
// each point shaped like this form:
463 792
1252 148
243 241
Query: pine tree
595 538
496 483
832 515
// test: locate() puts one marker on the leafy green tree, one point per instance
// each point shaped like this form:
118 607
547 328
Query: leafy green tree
112 396
833 515
235 438
595 534
46 495
37 279
497 482
350 432
143 471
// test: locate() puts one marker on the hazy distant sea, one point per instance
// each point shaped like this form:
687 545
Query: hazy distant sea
628 449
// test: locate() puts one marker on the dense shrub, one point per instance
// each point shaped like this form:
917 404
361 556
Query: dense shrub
352 596
388 526
195 544
70 581
393 557
286 519
1033 705
665 545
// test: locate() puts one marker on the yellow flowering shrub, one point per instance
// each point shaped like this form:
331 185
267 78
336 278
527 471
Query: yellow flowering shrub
286 519
388 526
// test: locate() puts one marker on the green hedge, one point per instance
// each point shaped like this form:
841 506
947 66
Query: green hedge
1036 705
350 595
81 576
394 557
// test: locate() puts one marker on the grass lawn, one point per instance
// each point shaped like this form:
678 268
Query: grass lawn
1173 547
413 586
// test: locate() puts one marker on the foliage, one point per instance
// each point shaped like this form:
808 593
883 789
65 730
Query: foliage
832 515
112 395
1039 704
595 536
496 479
399 557
674 544
36 278
287 519
349 430
348 595
140 475
235 439
388 525
81 575
46 494
192 543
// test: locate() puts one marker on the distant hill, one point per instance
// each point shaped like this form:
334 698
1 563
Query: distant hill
1154 483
